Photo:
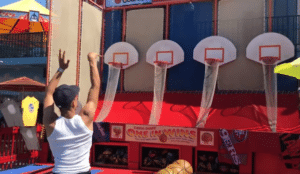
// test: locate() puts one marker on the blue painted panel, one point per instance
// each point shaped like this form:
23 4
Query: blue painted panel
24 61
285 22
113 34
285 7
189 24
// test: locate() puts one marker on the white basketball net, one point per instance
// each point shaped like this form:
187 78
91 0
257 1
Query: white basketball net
112 84
159 89
270 83
209 86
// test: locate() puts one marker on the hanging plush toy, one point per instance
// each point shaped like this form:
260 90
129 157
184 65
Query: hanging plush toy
234 169
100 158
224 168
203 158
117 157
125 159
171 157
107 154
202 163
120 153
164 155
158 161
149 160
211 163
113 159
201 166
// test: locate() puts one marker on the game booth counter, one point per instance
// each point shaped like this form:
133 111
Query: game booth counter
180 80
253 145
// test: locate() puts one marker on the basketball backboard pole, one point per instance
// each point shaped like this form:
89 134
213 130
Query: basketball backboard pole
162 55
213 52
269 49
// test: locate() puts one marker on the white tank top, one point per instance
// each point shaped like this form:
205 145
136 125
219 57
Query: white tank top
70 143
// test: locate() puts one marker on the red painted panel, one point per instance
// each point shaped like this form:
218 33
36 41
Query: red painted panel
231 111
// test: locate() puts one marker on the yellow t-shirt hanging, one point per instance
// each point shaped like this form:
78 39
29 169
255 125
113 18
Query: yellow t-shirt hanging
30 107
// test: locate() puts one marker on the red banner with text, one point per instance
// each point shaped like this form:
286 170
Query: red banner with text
161 135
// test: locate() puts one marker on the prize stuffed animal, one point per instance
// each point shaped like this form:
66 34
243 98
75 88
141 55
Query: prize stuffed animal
107 154
125 159
117 157
149 160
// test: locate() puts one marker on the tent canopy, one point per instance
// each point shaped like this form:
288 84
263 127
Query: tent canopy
26 6
22 84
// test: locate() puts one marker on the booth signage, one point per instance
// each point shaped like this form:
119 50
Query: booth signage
207 138
117 131
118 3
7 14
161 135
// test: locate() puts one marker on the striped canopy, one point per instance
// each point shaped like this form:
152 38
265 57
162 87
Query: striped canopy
17 17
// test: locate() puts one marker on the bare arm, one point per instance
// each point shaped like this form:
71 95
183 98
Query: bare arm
48 112
88 111
55 79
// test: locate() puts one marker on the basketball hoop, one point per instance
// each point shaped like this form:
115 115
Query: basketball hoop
215 49
116 64
160 63
165 52
121 54
212 61
269 60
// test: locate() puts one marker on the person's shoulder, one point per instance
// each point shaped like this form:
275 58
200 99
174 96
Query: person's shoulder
78 117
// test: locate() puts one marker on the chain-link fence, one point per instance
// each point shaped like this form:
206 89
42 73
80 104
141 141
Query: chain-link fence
23 45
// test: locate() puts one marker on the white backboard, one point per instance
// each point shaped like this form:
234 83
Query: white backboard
121 52
165 50
270 45
215 47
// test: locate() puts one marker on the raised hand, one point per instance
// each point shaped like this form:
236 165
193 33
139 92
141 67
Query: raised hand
92 56
62 63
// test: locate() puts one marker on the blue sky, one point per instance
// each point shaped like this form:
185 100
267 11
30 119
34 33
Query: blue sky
6 2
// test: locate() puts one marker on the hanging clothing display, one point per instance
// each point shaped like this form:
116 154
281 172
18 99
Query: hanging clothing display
30 106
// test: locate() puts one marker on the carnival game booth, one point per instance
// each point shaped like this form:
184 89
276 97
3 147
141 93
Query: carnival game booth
190 80
238 129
